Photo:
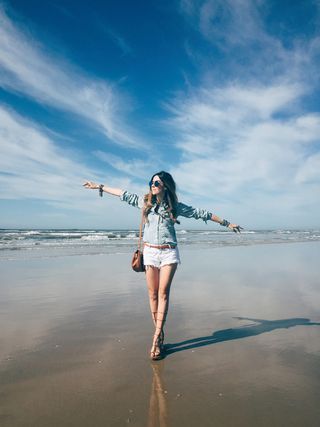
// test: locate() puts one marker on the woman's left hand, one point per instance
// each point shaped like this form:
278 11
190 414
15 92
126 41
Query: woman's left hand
236 228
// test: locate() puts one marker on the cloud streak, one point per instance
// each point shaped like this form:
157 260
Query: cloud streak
32 165
136 168
239 142
238 30
50 80
247 140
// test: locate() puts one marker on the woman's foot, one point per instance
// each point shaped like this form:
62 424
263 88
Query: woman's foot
162 340
156 352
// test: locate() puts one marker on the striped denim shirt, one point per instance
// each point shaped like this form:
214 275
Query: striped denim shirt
159 229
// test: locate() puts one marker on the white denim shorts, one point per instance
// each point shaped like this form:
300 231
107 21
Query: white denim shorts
159 257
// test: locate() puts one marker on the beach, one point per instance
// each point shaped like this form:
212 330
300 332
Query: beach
242 340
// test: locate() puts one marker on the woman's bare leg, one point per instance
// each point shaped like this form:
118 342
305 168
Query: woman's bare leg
152 277
165 279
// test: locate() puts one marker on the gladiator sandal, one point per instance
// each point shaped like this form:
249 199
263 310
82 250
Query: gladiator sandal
154 318
162 328
157 349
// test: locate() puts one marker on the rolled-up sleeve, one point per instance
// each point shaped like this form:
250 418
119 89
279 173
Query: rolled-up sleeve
190 212
132 199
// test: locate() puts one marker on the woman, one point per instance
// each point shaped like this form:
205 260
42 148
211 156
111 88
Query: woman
161 256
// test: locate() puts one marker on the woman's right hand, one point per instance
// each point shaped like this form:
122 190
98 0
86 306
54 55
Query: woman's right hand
91 185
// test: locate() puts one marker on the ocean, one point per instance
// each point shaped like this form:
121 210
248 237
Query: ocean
43 243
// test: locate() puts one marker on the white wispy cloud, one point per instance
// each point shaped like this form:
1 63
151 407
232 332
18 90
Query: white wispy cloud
241 145
137 168
247 143
247 151
29 69
120 42
309 172
230 22
32 165
239 30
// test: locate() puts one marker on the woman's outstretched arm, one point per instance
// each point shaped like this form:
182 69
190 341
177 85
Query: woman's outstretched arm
234 227
93 186
205 215
125 196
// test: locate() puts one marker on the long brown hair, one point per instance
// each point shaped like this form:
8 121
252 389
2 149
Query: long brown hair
169 197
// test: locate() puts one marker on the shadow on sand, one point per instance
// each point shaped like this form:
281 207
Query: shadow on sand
260 326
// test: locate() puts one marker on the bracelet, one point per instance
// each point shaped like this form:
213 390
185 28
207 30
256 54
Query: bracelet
225 223
101 190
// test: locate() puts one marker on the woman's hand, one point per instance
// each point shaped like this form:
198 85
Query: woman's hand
91 185
236 228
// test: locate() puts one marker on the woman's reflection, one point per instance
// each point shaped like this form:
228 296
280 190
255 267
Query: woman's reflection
158 410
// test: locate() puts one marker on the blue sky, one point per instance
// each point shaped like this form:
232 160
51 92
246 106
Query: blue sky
224 94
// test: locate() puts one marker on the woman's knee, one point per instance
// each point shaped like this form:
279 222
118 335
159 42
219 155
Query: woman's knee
153 295
163 296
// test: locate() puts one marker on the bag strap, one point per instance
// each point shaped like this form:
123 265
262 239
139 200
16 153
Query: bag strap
140 231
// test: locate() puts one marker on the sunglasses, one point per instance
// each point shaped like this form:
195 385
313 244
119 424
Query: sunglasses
155 184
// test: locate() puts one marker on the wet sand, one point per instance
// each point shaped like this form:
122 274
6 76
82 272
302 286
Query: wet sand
243 341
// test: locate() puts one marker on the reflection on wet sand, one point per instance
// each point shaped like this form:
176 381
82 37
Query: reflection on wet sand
260 326
74 334
158 408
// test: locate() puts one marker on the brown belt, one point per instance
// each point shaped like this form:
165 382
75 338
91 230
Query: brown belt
160 246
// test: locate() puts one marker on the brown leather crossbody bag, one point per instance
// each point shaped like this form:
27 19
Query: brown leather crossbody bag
137 259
